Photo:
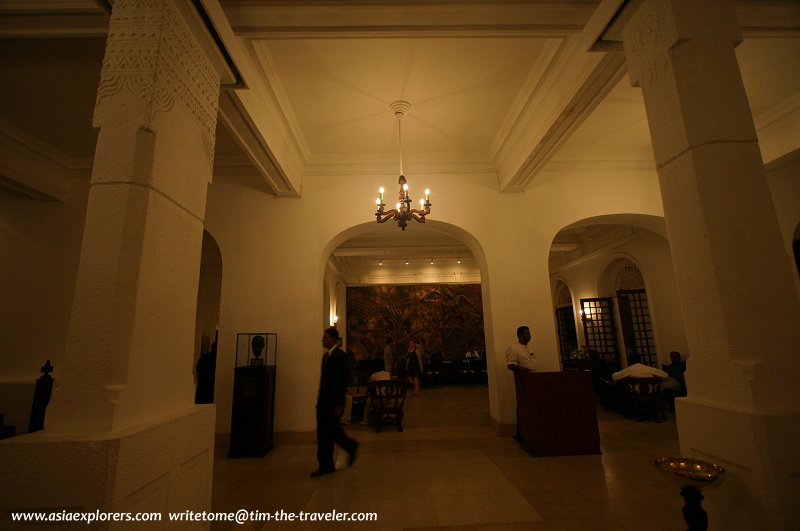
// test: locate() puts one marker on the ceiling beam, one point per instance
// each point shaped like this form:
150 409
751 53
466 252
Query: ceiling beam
367 18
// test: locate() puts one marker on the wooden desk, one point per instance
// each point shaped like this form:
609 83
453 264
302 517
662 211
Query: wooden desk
557 413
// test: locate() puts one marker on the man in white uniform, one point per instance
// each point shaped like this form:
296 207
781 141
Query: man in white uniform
520 359
518 356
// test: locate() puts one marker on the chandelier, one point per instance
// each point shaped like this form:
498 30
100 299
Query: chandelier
402 212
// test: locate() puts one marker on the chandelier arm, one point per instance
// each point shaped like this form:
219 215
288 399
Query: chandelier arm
385 216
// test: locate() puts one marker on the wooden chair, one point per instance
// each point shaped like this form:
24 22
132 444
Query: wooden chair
433 369
640 398
387 398
467 371
607 393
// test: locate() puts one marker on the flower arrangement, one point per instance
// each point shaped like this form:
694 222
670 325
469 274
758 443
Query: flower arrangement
582 353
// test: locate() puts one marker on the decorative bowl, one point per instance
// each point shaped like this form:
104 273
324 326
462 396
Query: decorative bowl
688 472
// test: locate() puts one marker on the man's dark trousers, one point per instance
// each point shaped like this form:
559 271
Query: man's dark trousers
329 431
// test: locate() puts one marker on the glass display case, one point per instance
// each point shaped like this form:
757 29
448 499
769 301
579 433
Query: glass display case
254 349
253 415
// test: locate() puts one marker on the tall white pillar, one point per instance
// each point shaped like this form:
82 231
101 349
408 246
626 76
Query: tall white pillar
122 432
736 285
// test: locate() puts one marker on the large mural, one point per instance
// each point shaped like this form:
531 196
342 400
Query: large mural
446 318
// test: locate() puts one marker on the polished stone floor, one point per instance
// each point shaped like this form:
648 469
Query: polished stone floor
449 469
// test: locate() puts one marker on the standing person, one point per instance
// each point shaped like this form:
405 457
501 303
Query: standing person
518 356
206 369
330 405
676 382
388 360
413 365
520 359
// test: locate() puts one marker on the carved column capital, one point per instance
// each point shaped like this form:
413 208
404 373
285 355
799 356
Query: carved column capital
659 25
153 62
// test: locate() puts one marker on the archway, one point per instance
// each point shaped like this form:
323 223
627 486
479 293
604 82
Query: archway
606 259
565 322
461 257
207 319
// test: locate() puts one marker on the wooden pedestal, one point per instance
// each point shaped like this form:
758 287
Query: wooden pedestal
557 414
252 419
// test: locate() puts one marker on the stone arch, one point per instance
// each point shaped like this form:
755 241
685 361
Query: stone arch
565 321
208 309
622 271
562 296
796 247
479 255
622 280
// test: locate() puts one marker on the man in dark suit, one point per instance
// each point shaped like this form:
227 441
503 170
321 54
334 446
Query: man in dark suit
330 405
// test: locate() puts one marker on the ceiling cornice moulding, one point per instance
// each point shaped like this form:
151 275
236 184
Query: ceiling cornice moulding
396 19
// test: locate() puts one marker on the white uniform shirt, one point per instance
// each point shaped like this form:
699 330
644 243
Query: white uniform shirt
518 354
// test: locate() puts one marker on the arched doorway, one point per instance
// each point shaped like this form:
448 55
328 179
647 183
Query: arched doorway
423 284
207 319
565 323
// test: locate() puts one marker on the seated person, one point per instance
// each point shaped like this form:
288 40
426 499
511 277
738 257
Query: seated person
676 380
606 367
472 354
636 369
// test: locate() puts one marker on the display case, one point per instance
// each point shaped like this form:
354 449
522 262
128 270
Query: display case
253 415
256 349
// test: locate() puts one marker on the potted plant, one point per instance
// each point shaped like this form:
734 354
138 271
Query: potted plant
581 356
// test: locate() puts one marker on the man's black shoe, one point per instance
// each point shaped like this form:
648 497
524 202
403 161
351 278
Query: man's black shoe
351 459
321 472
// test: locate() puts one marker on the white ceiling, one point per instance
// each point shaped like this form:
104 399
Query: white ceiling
504 88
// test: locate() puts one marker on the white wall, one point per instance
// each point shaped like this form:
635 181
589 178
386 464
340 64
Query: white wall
275 253
40 244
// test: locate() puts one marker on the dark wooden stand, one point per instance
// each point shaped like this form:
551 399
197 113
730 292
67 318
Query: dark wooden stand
252 419
556 413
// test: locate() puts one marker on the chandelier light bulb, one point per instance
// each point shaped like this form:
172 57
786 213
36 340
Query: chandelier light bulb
378 201
405 188
427 194
422 203
380 190
397 206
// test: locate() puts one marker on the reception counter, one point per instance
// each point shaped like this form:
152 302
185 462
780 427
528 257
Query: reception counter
557 414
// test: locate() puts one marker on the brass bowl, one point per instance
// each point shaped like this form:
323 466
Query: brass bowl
690 472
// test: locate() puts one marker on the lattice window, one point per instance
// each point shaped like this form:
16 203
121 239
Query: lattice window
564 297
567 336
637 327
598 326
629 278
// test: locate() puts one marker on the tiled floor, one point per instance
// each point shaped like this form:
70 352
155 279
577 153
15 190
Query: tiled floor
449 469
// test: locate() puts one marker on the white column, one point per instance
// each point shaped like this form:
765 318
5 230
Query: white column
130 347
122 432
736 286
